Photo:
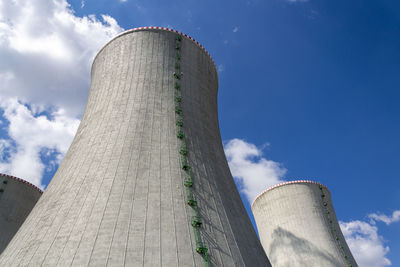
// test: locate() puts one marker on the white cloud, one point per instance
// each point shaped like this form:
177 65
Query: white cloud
82 3
253 172
384 218
46 54
33 135
221 68
5 145
236 29
365 244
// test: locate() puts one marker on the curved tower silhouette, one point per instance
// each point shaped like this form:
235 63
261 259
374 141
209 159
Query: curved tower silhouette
17 198
298 226
145 181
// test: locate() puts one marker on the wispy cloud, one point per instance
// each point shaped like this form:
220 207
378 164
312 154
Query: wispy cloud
140 8
82 3
5 146
236 29
395 217
366 245
221 68
253 172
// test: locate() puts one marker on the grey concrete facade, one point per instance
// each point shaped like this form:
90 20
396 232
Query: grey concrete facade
298 226
118 197
17 199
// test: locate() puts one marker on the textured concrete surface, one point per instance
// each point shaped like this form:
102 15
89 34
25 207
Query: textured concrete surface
298 226
118 196
17 199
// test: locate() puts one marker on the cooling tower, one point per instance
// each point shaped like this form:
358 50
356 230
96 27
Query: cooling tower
145 181
298 226
17 198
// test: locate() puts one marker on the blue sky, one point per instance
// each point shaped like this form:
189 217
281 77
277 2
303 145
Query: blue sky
308 89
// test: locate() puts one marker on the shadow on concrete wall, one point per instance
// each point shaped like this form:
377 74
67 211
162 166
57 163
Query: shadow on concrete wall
289 250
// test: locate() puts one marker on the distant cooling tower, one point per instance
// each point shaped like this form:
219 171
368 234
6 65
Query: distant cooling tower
17 198
145 181
298 226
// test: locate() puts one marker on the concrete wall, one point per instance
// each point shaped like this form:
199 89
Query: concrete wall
17 198
298 226
118 197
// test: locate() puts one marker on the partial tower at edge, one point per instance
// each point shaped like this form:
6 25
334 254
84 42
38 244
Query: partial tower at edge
297 225
17 199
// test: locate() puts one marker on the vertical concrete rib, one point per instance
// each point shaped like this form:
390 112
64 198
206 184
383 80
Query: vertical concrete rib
118 198
116 253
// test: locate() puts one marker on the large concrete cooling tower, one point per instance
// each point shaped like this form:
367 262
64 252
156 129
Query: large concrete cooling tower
298 226
17 198
145 181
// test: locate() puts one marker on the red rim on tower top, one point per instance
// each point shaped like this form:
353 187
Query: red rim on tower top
21 181
162 29
286 183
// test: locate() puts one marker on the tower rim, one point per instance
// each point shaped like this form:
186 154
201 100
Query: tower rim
288 183
22 181
138 29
